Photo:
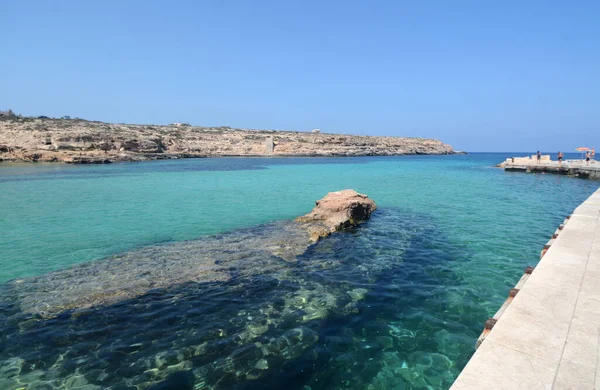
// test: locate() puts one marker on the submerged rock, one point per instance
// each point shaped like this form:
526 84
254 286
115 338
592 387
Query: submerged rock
219 258
337 211
273 319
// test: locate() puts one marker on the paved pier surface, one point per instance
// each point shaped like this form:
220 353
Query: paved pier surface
577 168
548 336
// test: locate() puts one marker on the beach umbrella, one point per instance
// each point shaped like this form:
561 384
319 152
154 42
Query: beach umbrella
582 149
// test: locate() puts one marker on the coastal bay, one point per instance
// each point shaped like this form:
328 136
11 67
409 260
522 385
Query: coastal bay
299 195
397 301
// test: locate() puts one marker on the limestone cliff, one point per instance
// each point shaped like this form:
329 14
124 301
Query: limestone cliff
80 141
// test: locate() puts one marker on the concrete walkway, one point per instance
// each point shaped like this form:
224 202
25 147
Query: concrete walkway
567 163
548 337
572 168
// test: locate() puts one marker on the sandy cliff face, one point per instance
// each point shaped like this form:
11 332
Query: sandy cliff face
80 141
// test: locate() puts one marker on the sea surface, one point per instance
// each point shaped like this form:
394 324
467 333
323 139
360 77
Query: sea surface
396 303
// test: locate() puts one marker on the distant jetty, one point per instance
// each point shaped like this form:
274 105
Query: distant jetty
576 168
78 141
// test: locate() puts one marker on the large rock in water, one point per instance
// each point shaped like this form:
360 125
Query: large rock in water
337 211
238 254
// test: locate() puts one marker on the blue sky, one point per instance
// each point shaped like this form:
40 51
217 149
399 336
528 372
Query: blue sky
482 76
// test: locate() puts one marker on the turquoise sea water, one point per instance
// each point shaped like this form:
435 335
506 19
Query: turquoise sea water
403 297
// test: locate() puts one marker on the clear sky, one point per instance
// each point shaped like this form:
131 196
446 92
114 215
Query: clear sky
480 75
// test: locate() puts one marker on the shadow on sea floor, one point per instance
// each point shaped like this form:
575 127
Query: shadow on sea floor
376 308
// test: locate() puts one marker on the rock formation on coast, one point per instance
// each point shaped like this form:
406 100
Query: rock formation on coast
206 260
27 139
337 211
221 309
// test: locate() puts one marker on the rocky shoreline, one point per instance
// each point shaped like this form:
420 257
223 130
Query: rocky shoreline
79 141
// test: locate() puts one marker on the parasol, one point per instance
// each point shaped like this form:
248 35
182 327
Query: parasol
582 149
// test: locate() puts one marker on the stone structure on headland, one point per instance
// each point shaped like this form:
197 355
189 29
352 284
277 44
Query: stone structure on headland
80 141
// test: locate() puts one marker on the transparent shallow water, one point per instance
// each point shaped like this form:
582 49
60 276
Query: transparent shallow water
396 304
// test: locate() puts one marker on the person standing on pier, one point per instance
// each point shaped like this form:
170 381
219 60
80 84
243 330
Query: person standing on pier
560 157
587 158
539 156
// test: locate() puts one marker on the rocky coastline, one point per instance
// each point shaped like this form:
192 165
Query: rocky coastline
78 141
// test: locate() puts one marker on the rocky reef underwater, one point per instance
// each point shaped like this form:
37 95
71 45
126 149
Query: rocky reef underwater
261 307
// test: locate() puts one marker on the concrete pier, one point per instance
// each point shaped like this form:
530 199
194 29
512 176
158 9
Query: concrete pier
547 336
576 168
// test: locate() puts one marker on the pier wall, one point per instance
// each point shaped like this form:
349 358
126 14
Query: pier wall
545 336
591 171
